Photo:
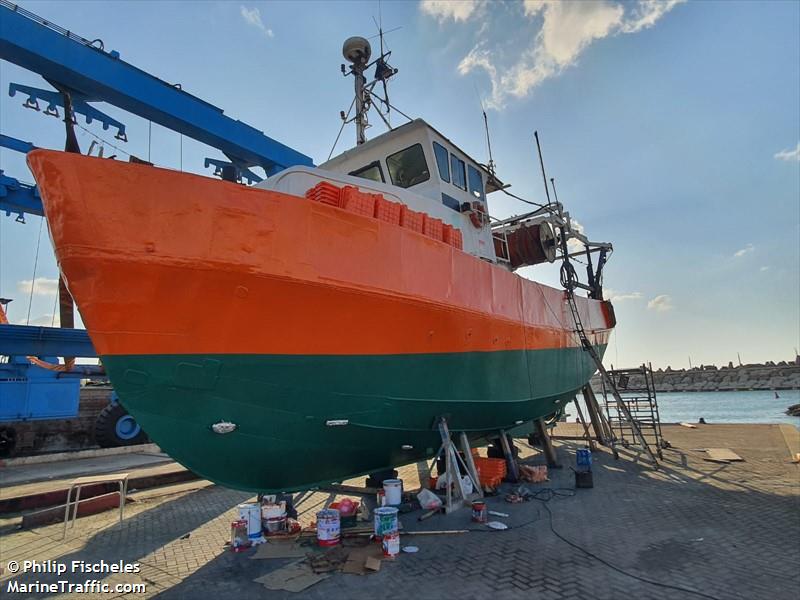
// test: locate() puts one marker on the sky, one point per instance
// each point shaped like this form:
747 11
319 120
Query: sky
672 130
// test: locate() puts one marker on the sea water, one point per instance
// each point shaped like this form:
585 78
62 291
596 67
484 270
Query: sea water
720 407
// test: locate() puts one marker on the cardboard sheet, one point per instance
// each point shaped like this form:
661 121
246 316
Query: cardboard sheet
363 560
722 455
293 578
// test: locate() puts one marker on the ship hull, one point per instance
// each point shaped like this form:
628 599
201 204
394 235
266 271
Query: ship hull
332 341
282 404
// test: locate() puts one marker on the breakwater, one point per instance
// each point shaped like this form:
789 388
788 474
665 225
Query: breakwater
710 378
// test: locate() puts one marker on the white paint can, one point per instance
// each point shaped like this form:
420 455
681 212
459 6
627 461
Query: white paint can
393 488
251 512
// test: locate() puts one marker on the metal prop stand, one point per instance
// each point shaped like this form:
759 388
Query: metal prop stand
454 484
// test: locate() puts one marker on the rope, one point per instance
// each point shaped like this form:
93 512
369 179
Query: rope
105 142
33 280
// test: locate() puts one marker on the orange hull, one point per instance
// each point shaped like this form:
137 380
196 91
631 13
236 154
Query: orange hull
333 340
225 268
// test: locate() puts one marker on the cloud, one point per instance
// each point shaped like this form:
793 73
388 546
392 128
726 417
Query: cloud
46 320
574 244
789 155
444 10
252 16
661 303
746 250
764 269
567 30
43 286
616 296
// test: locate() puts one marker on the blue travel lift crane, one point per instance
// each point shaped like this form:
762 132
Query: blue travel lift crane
84 73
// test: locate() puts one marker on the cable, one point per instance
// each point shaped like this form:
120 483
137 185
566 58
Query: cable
33 281
532 203
341 129
618 569
107 143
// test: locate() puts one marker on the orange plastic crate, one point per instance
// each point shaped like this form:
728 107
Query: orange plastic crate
354 200
491 467
326 193
452 236
411 219
386 210
433 228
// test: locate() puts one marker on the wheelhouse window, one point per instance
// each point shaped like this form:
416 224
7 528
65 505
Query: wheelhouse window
441 161
475 183
372 171
408 167
457 168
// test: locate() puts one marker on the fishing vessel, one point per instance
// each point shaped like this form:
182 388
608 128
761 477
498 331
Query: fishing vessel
318 325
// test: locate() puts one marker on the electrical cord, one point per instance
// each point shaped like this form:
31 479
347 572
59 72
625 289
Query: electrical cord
544 496
616 568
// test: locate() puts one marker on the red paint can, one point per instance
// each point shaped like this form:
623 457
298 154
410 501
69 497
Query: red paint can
479 512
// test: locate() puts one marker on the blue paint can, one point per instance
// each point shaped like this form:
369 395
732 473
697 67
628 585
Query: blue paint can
584 460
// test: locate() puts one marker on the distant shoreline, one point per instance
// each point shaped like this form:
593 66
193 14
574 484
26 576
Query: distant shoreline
770 376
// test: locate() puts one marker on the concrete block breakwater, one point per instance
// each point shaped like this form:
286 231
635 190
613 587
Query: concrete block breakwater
710 378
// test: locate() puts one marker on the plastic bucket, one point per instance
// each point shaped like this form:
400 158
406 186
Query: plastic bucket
393 488
251 512
385 521
328 527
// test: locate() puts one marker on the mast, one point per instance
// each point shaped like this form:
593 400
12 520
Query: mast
357 50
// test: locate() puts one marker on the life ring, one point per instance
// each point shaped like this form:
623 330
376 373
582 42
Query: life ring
477 215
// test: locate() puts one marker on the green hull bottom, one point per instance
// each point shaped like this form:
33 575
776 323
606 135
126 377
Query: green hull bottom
282 406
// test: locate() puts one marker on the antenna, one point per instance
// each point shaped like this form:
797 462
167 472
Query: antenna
357 51
490 167
541 164
553 183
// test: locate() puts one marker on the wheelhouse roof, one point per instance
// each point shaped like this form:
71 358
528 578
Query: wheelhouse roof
492 182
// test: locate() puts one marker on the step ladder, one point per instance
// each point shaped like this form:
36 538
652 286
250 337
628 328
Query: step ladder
637 390
608 381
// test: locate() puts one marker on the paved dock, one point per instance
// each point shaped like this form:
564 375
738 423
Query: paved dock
723 531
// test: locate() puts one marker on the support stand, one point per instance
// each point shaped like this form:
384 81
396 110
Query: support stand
511 461
547 445
453 483
602 429
586 435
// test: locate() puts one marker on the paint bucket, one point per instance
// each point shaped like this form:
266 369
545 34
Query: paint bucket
393 488
328 527
275 525
391 544
239 540
479 514
251 512
385 521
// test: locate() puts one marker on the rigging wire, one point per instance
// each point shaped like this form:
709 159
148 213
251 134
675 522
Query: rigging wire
105 142
149 139
341 129
531 202
33 279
